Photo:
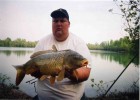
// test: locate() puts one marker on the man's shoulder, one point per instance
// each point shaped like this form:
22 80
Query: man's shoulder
46 38
76 38
44 43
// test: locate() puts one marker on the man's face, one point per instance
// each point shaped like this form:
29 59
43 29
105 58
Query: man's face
60 28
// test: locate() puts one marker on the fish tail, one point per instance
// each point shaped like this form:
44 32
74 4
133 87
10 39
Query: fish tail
20 74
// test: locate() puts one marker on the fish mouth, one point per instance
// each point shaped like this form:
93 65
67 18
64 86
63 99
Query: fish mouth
84 62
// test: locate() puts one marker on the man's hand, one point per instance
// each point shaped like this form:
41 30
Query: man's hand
78 75
36 74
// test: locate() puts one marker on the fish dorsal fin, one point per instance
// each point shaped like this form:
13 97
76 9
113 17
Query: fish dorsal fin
54 49
61 75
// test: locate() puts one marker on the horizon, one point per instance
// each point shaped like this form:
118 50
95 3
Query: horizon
38 40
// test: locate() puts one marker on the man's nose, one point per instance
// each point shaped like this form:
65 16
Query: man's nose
59 22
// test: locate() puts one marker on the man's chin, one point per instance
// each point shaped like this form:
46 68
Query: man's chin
59 32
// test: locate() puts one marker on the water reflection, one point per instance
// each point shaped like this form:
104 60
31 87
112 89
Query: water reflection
121 58
16 56
18 53
107 67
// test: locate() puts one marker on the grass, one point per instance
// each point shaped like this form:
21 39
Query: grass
9 90
130 94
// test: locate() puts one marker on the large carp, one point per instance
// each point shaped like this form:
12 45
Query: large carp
51 63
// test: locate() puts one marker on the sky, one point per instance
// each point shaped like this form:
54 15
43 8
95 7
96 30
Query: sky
31 20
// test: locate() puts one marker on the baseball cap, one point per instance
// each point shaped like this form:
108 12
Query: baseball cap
60 13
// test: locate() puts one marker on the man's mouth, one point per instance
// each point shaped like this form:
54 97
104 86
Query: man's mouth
59 29
59 32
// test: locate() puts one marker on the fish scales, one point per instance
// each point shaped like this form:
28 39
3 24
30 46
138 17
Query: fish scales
48 62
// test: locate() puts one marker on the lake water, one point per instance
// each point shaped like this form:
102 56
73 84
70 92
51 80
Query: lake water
106 66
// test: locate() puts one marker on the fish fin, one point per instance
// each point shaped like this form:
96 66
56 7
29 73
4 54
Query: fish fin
18 66
43 77
41 52
75 74
54 48
61 75
20 74
52 79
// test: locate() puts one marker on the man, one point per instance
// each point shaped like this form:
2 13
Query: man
62 39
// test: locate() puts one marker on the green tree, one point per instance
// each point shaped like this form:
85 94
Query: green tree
131 15
1 43
17 43
7 42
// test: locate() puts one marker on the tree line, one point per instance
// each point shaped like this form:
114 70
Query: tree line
17 43
124 44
